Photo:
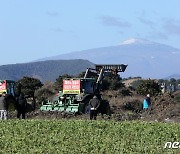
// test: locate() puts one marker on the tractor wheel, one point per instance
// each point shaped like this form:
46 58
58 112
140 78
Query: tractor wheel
87 109
86 106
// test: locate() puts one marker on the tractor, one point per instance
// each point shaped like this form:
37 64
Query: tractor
8 86
77 92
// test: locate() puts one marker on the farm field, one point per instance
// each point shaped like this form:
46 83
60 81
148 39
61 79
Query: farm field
85 136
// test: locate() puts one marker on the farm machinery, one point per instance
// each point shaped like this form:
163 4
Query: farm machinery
77 92
8 86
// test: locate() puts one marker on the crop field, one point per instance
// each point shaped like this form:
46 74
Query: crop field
85 136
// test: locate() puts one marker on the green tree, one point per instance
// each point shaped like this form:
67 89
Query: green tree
173 81
112 83
136 83
29 85
59 82
178 81
161 81
148 87
46 91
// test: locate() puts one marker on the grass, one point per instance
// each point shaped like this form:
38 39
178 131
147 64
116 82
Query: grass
84 136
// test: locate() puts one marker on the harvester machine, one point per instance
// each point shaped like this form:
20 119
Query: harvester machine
77 92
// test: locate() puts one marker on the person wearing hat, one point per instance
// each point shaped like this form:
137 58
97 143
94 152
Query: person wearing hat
3 107
94 105
147 102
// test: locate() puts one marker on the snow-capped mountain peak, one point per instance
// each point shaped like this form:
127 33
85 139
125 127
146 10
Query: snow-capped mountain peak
135 41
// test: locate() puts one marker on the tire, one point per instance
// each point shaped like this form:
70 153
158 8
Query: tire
87 109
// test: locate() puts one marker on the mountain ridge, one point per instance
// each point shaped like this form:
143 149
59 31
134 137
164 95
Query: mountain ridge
44 70
144 58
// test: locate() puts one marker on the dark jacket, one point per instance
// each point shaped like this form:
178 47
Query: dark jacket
22 100
3 105
94 103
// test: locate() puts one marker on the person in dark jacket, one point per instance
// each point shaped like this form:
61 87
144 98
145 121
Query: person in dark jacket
21 106
94 105
3 107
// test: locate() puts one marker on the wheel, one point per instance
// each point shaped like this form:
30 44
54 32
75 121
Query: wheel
87 109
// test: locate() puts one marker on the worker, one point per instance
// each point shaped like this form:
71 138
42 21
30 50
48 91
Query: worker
21 106
94 105
147 102
3 107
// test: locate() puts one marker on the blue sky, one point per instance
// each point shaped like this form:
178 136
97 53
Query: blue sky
33 29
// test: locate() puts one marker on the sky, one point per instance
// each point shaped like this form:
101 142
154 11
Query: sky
34 29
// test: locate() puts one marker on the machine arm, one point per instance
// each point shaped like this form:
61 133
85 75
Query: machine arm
109 67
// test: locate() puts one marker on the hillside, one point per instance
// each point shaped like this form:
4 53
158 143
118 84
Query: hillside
175 76
144 58
44 70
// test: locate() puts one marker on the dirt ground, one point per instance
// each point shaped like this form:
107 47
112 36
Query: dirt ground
164 108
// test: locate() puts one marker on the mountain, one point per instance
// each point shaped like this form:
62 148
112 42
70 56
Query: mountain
175 76
44 70
144 58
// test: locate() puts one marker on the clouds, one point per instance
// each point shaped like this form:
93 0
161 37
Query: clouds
160 28
167 28
172 27
147 22
114 22
52 14
56 30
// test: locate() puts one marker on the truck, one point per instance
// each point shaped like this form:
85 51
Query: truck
77 92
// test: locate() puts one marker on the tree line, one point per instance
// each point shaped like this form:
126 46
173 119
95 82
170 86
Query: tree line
39 91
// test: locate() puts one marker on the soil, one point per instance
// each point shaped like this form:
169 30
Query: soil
164 108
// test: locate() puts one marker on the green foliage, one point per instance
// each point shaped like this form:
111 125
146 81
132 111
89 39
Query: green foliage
177 95
138 77
29 85
136 83
59 81
112 83
172 81
178 81
46 91
124 92
45 136
148 87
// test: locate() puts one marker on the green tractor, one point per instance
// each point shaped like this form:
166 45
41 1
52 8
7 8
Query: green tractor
77 92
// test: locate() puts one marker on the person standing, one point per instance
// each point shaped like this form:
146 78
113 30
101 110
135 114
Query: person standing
94 105
3 107
21 106
147 102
